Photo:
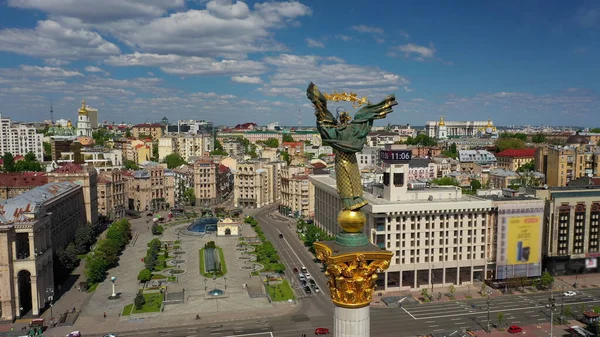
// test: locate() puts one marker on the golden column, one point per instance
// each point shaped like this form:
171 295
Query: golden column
352 262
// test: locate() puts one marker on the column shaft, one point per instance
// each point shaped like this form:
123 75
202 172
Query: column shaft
352 322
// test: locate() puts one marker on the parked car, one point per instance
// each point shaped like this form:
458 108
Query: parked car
312 282
303 283
570 293
321 331
110 335
303 270
515 329
307 289
295 270
281 236
74 334
307 275
316 289
301 277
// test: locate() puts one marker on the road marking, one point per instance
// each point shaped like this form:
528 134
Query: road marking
455 319
409 314
438 330
433 326
430 322
460 323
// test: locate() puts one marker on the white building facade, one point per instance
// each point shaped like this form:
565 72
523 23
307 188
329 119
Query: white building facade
20 139
452 129
84 125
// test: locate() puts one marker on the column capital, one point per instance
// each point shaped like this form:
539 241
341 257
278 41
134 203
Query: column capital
352 272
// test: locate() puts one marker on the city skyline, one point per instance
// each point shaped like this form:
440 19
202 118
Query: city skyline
235 62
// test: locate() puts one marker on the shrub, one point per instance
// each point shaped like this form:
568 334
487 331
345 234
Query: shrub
139 301
145 275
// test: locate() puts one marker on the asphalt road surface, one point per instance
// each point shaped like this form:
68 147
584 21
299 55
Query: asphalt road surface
316 309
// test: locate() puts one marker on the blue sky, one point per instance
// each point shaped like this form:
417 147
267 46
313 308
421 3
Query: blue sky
517 62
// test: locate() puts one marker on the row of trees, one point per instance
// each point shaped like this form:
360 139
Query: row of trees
266 253
106 253
312 234
68 257
28 164
151 260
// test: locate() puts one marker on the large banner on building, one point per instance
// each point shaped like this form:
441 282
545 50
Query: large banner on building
519 239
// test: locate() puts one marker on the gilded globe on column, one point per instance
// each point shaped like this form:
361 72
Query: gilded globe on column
352 221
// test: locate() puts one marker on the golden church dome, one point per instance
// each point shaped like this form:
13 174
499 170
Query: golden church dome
83 110
69 124
442 123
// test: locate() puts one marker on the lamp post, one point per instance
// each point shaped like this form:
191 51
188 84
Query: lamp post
432 279
205 284
488 310
113 280
225 278
505 280
552 306
562 299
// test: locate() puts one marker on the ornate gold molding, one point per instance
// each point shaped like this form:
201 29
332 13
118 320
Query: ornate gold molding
351 276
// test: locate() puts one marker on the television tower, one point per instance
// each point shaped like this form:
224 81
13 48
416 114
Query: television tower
299 119
51 113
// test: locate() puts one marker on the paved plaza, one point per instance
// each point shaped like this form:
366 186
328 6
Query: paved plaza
234 304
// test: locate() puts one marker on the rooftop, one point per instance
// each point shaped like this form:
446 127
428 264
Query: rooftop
475 156
23 179
418 163
70 168
14 209
517 153
147 125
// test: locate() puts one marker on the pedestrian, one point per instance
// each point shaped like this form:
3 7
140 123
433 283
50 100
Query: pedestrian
105 315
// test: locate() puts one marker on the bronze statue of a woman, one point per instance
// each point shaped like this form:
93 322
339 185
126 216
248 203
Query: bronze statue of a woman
347 137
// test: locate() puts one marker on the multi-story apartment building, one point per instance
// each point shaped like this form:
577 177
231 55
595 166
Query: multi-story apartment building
257 183
87 178
137 150
562 164
33 226
296 152
438 236
225 180
150 189
191 126
422 169
15 183
205 182
112 196
185 145
446 166
382 138
20 139
470 158
297 192
512 159
571 237
100 158
233 147
184 179
154 130
369 156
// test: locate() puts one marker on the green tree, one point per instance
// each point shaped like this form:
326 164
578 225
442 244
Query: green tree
84 238
8 162
286 157
509 143
108 250
67 257
422 140
155 151
173 160
500 318
252 153
445 181
139 300
218 151
475 185
128 133
568 311
483 288
527 167
130 165
452 151
145 275
189 196
595 130
47 151
272 143
101 136
452 289
538 138
245 143
287 138
309 155
96 268
546 280
425 294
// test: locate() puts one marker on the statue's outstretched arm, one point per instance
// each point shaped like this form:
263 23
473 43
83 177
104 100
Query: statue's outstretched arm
324 116
375 111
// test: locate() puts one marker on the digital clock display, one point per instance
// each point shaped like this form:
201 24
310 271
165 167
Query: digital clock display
395 155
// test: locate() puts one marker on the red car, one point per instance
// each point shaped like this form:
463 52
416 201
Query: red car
515 329
321 331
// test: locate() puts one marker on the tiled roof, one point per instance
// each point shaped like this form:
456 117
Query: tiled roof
223 169
146 125
23 179
70 168
12 210
517 153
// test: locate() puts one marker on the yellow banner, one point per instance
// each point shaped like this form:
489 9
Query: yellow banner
523 239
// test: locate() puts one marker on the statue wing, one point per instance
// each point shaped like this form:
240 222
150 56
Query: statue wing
324 117
375 111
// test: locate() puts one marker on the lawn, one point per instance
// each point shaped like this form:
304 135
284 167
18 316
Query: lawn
92 287
127 310
153 303
280 292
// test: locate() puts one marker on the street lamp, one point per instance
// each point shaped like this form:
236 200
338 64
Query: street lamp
488 310
113 280
505 280
205 284
225 278
552 306
215 280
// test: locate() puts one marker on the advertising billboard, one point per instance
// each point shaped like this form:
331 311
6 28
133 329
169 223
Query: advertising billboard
519 233
523 239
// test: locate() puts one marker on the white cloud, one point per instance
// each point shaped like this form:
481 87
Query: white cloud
192 65
367 29
404 34
247 79
314 43
222 30
294 72
420 52
93 69
49 39
100 11
344 37
379 40
35 71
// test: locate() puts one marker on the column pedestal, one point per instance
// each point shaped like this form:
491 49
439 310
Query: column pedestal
352 322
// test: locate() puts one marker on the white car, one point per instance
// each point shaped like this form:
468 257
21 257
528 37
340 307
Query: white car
301 276
570 293
110 335
307 275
